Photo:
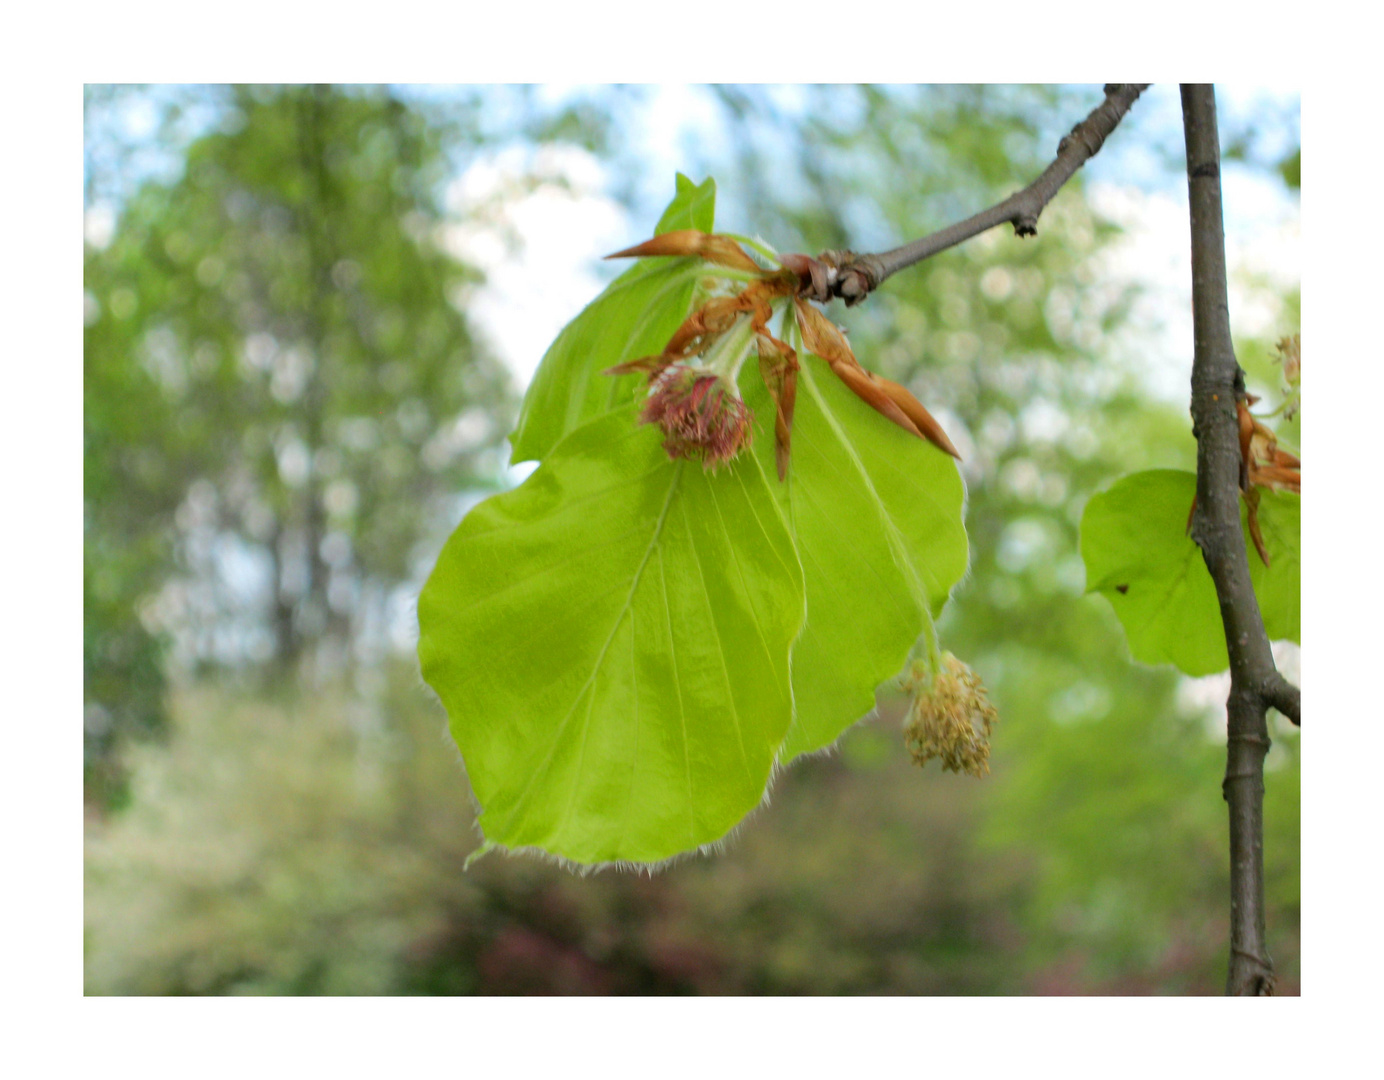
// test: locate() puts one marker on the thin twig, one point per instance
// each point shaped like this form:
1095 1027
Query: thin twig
1255 684
1282 695
853 277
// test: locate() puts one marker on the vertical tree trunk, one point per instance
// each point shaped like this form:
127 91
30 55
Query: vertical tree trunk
1217 385
286 640
314 215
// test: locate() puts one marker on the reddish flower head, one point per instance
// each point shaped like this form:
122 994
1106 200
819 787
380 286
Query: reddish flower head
701 414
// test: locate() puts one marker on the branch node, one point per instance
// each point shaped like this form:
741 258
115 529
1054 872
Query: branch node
850 276
1262 982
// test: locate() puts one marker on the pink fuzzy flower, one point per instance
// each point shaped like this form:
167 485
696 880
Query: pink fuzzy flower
701 414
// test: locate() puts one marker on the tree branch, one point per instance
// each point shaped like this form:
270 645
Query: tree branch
1255 684
1282 695
853 277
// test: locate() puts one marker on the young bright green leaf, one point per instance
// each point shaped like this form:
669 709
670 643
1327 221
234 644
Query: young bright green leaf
611 641
633 317
693 206
1138 556
641 718
876 514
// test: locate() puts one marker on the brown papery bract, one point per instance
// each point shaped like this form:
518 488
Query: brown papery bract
796 277
825 339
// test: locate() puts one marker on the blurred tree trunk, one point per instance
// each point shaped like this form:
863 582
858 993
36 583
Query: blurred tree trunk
315 221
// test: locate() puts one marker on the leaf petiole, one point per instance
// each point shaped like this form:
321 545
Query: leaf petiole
756 245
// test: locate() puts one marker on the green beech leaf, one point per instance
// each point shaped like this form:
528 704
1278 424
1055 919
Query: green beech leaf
1138 556
876 514
635 316
693 206
611 641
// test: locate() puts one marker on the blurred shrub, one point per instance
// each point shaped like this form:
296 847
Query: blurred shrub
312 843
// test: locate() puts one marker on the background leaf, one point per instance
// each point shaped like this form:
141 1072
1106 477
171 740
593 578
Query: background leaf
633 317
1138 555
611 642
876 516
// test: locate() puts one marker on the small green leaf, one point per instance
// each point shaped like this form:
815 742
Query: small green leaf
633 317
1138 556
611 642
876 514
693 206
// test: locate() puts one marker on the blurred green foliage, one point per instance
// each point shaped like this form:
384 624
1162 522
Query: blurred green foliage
275 373
1290 168
308 837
